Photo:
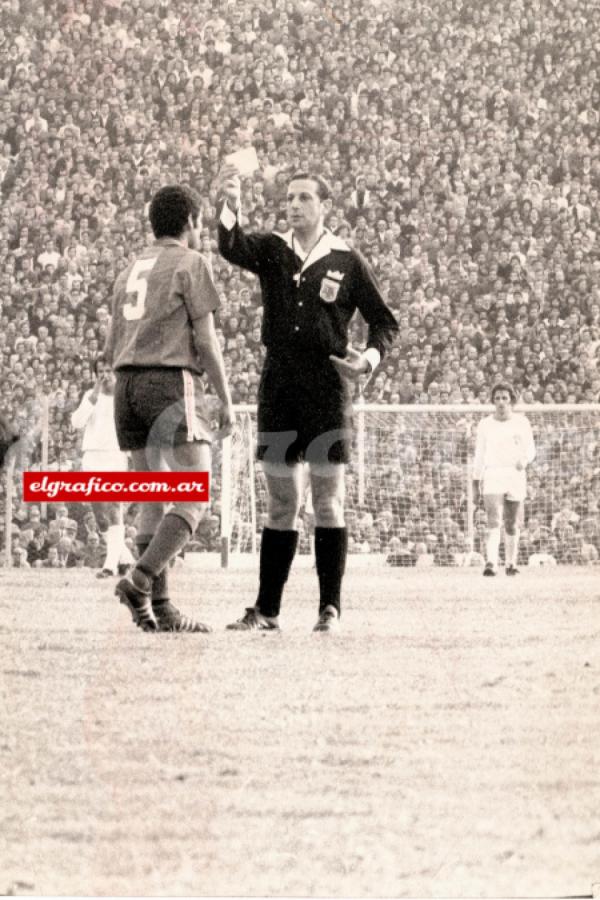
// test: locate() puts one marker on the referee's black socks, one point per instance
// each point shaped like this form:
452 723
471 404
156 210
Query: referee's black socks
277 551
331 548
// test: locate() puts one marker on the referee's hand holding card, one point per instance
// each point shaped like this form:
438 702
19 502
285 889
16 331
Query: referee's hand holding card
352 365
230 186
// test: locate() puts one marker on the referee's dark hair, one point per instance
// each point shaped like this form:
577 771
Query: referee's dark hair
170 209
323 187
504 386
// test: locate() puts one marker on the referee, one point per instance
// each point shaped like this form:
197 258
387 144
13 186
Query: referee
312 282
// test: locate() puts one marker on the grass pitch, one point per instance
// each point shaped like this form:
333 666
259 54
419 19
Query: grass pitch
444 744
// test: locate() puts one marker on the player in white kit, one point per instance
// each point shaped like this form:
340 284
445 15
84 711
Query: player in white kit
101 453
503 450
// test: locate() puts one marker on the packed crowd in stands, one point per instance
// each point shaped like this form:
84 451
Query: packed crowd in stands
461 142
73 535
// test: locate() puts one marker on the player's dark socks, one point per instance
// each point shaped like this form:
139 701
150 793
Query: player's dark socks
160 586
141 580
160 603
277 551
160 582
331 548
142 545
172 535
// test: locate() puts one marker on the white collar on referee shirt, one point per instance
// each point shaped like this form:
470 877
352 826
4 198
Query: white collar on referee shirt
323 247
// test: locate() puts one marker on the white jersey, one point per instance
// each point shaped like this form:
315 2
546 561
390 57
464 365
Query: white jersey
100 446
500 446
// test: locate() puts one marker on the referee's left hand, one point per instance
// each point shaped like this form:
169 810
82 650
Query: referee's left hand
352 365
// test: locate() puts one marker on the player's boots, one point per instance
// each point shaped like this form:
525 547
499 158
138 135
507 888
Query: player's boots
253 620
169 618
511 570
328 620
138 603
489 569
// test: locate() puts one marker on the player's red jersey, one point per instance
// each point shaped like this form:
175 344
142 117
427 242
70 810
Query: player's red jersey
154 300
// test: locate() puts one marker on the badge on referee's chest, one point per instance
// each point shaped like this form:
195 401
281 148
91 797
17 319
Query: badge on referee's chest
329 290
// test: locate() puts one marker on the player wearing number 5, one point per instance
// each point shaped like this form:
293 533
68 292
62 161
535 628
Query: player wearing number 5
162 339
504 448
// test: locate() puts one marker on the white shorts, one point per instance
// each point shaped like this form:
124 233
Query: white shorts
507 481
104 461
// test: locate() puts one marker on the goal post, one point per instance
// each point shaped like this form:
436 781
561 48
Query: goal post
410 478
236 481
226 499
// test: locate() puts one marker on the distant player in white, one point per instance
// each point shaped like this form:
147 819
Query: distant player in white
101 453
503 450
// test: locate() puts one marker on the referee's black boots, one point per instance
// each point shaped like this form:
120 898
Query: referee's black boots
331 548
328 620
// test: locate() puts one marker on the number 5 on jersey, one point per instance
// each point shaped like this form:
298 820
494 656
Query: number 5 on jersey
137 284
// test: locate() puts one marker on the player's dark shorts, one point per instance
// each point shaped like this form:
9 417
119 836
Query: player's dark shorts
304 412
159 407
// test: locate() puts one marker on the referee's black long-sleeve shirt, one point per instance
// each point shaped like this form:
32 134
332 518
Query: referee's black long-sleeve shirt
308 304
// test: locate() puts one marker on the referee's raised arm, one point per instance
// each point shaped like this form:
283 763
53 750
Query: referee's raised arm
245 250
230 187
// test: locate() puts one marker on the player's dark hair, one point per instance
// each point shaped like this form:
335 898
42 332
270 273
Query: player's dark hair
504 386
323 187
170 208
99 359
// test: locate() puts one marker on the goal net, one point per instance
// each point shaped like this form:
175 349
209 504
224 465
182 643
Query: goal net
409 486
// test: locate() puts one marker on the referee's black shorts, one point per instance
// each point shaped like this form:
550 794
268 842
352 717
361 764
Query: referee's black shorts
304 413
